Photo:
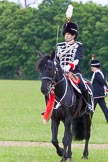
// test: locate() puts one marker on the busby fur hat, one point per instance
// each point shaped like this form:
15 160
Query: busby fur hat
95 63
70 27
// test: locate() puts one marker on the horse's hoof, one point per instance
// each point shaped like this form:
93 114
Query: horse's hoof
84 157
69 160
60 152
63 160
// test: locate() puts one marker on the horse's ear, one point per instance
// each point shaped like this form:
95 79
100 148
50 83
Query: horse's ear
40 54
52 55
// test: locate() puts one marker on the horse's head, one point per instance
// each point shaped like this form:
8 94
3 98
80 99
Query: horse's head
48 68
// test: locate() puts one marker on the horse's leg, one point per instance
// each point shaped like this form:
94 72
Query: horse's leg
67 139
87 125
69 152
54 128
85 152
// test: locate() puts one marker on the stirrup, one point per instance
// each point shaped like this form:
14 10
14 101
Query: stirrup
89 109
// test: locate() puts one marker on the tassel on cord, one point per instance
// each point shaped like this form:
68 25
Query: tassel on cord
69 12
49 107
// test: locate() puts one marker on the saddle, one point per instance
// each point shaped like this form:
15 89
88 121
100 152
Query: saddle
73 77
74 80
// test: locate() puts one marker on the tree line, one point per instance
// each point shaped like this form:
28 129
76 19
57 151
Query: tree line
26 31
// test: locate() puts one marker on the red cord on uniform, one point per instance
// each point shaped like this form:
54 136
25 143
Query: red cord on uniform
72 66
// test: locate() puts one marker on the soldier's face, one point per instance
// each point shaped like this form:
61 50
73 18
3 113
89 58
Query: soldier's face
69 37
93 69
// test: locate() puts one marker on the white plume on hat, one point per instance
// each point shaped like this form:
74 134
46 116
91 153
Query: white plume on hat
69 11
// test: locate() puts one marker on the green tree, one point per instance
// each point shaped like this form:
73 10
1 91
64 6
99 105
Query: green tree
17 39
26 31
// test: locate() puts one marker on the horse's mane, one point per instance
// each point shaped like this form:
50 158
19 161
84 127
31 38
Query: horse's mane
41 62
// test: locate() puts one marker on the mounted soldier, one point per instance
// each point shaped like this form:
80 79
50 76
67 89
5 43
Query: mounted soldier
70 53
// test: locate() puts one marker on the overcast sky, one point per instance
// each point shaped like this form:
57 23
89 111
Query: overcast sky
102 2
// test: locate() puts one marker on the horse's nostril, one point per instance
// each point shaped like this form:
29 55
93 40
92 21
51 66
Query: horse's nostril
44 91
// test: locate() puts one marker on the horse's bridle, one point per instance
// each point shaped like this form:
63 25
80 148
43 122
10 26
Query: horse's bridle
54 83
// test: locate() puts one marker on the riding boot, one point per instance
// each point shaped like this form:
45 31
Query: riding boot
86 96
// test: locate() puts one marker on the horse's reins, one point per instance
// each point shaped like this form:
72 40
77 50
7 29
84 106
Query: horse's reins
60 101
54 83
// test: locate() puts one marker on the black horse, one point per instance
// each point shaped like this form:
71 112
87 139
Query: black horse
71 109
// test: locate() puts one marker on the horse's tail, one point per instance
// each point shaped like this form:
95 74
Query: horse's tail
81 127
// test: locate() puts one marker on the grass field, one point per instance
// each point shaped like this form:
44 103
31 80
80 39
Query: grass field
42 154
21 103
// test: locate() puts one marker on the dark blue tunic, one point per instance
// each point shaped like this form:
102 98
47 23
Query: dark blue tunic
99 84
67 53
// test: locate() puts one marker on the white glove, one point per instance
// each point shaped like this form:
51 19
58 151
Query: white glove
66 68
76 62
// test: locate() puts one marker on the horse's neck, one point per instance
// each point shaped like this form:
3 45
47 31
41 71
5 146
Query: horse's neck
60 88
65 92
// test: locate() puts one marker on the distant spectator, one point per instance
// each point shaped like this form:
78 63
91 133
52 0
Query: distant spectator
100 87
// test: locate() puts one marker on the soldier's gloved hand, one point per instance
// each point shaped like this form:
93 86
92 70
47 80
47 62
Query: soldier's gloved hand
66 68
72 65
69 66
107 90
